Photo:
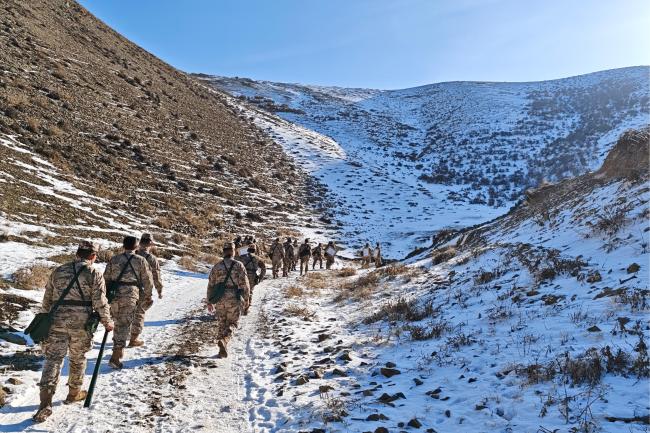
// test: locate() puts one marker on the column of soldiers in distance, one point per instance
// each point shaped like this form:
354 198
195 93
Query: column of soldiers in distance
134 274
368 256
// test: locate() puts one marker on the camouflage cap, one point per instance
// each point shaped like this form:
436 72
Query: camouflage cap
228 246
89 246
252 248
146 238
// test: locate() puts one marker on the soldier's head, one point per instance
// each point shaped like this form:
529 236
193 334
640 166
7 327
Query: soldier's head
130 243
307 240
252 248
228 249
87 251
320 244
367 244
146 241
277 239
288 239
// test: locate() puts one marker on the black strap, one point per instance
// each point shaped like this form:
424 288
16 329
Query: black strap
137 279
250 260
65 291
228 275
128 262
273 250
81 293
76 303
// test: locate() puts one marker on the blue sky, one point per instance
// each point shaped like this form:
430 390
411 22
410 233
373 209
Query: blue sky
386 44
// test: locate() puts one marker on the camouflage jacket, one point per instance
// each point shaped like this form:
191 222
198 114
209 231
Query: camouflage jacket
154 265
129 281
93 289
304 251
238 278
253 263
277 251
317 252
288 250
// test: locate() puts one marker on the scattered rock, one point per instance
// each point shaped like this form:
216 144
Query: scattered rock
414 423
14 381
3 397
325 388
323 337
389 371
345 356
339 372
593 329
301 380
448 413
377 417
472 380
634 267
594 277
391 364
417 381
381 430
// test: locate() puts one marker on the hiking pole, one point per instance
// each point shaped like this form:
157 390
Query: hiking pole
93 381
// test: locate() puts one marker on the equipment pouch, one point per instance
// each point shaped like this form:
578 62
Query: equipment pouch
92 323
218 290
39 328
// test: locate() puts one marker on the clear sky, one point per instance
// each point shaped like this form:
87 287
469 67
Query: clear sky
386 44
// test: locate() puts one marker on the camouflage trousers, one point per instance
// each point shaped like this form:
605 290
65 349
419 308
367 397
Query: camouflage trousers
304 263
123 311
251 281
287 263
319 260
138 319
277 264
329 261
227 312
57 345
365 261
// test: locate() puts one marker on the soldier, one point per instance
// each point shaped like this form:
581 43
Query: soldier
330 254
277 257
253 263
294 263
234 299
378 260
131 276
304 252
366 256
288 258
68 333
146 243
317 254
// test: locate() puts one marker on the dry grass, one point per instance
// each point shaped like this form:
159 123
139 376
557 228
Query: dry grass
296 310
394 270
294 292
359 288
210 259
319 280
401 310
346 272
32 277
443 255
105 254
188 262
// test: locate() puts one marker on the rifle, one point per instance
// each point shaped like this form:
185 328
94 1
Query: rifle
93 381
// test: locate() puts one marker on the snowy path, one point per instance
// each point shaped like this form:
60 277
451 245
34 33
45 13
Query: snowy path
174 383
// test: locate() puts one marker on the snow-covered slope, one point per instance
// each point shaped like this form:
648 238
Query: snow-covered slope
403 164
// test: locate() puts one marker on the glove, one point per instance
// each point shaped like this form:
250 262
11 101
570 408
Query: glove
159 295
210 308
108 325
148 303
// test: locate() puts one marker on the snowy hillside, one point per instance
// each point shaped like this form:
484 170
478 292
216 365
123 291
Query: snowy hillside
403 164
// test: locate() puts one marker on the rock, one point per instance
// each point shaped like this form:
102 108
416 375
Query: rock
323 337
345 356
594 277
593 329
391 364
13 338
448 413
368 392
471 380
500 411
301 380
316 374
318 430
3 397
14 381
417 381
389 372
376 417
414 423
325 388
435 392
634 267
381 430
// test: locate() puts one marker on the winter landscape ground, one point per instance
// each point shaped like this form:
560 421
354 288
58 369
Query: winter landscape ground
514 217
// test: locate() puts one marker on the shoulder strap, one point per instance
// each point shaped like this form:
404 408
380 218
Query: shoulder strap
126 265
228 275
137 279
250 260
66 290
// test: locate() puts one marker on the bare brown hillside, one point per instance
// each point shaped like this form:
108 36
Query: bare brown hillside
133 142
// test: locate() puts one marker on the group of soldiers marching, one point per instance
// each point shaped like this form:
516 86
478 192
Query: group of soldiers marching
77 292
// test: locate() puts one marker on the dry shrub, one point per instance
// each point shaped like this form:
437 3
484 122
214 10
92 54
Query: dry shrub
346 272
164 253
318 280
393 270
293 292
298 311
428 331
188 262
484 277
360 288
210 259
32 277
443 255
4 237
401 310
163 223
105 254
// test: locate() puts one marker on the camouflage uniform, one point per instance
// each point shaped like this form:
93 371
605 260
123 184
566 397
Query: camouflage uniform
124 305
294 262
288 258
304 253
229 307
252 262
329 257
67 332
317 254
138 321
366 256
277 257
377 256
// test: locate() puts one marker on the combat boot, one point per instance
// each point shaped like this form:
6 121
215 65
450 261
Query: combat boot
115 361
135 342
74 395
45 408
223 353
